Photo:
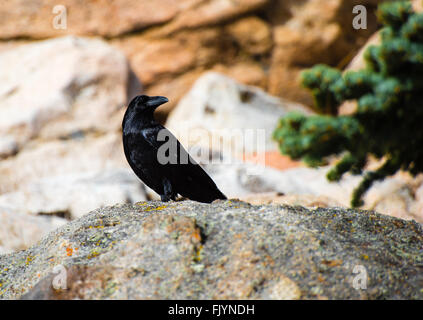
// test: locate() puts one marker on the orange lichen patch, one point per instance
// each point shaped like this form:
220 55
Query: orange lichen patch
271 159
196 235
269 260
332 263
69 251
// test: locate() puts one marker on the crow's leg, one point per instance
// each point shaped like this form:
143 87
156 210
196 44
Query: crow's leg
169 194
164 198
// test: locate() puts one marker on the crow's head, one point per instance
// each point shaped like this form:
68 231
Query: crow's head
146 103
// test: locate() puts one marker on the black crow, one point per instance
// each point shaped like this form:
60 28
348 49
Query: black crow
162 164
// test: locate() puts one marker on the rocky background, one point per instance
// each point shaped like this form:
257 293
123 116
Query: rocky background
223 64
170 43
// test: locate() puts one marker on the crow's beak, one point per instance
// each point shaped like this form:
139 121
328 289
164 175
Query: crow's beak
156 101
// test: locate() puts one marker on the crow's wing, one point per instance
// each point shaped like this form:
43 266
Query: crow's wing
161 140
186 176
193 182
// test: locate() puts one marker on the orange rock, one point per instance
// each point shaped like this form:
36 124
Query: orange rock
274 159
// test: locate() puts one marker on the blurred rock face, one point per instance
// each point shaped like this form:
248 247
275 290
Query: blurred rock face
18 231
102 19
61 107
217 106
170 43
60 89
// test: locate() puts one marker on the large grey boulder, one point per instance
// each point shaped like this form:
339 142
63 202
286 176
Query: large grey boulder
225 250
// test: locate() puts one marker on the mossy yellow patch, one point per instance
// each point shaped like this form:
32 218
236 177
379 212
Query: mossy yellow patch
155 208
29 259
94 253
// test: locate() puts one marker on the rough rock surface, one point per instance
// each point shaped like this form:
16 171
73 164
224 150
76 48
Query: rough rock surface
226 250
308 201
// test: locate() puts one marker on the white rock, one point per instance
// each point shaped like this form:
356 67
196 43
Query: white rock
75 194
399 196
61 108
48 159
8 146
217 105
18 231
57 87
245 179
